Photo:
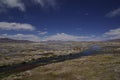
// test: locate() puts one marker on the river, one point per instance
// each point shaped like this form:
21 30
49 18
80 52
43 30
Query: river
54 59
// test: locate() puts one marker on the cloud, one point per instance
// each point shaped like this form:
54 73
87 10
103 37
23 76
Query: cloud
46 3
16 26
20 4
55 37
114 13
67 37
112 34
12 4
42 32
30 37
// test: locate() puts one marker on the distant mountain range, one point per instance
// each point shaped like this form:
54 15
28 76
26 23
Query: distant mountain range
7 40
114 40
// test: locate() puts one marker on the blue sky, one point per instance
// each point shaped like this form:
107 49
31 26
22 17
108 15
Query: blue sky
66 20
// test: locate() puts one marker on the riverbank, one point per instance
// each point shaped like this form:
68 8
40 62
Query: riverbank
95 67
101 61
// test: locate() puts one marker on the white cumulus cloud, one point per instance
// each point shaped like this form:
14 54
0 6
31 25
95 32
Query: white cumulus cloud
114 13
113 34
16 26
42 32
46 3
55 37
20 4
30 37
67 37
12 4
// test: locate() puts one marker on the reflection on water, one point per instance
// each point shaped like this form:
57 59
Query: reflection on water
95 47
92 50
